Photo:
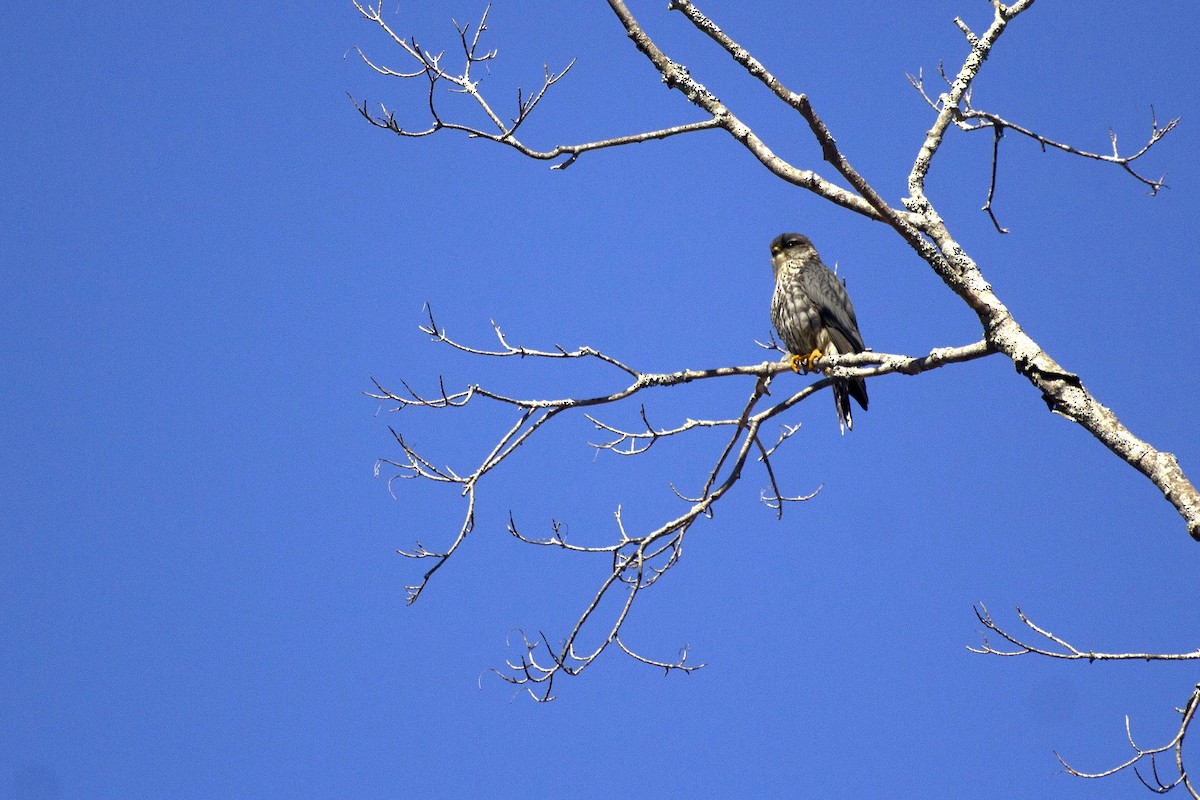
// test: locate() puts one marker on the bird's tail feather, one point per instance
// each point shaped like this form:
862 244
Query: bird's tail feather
843 390
858 390
841 401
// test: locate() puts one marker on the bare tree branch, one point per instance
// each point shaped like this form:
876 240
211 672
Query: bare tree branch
676 76
959 87
987 206
998 125
920 225
636 561
1065 651
430 67
898 219
1063 391
1175 747
1059 648
969 119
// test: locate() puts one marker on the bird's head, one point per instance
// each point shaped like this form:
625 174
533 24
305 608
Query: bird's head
791 248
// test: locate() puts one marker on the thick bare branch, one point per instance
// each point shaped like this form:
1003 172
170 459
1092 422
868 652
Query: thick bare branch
1062 390
921 226
899 219
676 76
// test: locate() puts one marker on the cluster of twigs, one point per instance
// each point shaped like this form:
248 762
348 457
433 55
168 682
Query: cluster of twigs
1059 648
429 66
968 118
637 559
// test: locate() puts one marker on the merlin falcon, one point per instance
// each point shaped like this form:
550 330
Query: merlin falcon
814 317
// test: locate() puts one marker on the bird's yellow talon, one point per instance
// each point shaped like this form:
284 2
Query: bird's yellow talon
804 363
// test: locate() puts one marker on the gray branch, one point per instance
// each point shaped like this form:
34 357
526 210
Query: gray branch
637 560
1142 754
1059 648
429 66
1062 650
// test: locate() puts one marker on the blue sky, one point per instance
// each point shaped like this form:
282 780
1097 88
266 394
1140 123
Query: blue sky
207 254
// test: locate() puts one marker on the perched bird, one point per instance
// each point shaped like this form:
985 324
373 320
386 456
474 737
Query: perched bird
814 317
